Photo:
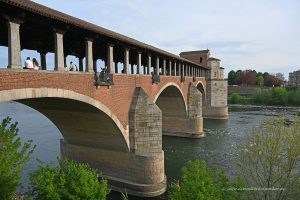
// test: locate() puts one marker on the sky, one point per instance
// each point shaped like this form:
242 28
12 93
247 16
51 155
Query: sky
245 34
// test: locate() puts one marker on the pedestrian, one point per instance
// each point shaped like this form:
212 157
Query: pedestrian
35 64
28 64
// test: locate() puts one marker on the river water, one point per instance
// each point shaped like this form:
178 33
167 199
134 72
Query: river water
216 148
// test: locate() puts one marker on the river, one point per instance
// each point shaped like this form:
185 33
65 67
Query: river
216 148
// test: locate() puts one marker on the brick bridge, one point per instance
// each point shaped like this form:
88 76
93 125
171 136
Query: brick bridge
114 124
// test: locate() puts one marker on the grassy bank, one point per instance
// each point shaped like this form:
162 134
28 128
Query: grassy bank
277 96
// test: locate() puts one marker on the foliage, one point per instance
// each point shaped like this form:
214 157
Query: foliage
272 81
269 160
13 157
231 77
235 98
247 77
199 183
260 80
70 180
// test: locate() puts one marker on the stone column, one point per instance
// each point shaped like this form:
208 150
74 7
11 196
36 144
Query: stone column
170 68
164 67
126 61
139 63
43 61
89 55
179 69
183 70
80 61
14 45
110 59
148 63
59 52
157 66
175 69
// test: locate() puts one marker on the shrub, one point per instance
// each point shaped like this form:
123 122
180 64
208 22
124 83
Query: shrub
280 96
70 180
269 160
13 157
235 98
199 183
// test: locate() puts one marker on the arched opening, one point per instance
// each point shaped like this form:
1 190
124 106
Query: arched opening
80 123
173 107
200 87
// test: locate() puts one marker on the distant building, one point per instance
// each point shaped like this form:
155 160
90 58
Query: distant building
203 58
294 79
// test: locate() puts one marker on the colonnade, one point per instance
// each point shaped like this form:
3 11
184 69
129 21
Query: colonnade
155 63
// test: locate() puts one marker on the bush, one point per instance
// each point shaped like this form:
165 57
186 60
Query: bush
71 180
280 96
269 160
199 183
235 98
13 157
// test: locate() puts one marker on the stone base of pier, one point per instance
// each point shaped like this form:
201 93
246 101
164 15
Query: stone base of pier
136 175
183 127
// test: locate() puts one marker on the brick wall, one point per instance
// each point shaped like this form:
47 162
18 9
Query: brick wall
118 98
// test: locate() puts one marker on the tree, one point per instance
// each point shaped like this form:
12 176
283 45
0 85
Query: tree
70 180
247 77
269 160
280 76
271 81
260 80
237 77
265 75
231 77
13 157
199 183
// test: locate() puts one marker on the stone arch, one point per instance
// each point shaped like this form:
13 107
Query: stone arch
201 88
171 102
166 86
45 99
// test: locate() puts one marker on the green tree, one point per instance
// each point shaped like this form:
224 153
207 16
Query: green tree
265 75
231 77
280 96
260 80
199 183
269 160
70 180
13 157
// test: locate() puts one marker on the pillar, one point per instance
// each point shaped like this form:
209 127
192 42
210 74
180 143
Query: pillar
14 45
89 56
43 60
110 59
179 69
170 68
139 62
126 61
195 111
164 67
183 70
148 63
59 51
175 69
157 66
80 61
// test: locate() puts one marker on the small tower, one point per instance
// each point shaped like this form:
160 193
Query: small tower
215 101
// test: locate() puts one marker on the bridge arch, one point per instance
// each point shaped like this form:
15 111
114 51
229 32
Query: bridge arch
201 88
96 124
172 85
171 102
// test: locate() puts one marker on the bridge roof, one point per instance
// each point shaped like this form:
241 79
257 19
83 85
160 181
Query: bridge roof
59 17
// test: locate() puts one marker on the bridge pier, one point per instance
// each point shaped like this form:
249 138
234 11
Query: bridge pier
139 171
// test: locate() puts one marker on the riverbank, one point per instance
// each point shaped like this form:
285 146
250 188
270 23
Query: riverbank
263 106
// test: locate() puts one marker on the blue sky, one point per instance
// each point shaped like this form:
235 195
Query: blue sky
259 34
